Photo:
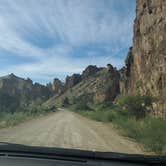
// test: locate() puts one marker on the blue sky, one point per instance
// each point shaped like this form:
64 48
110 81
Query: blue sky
44 39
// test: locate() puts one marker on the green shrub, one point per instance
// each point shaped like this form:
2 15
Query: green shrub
14 118
138 106
65 102
81 107
11 119
7 102
154 134
84 98
130 126
82 103
96 116
114 116
104 106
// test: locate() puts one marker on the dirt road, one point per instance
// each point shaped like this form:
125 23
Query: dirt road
69 130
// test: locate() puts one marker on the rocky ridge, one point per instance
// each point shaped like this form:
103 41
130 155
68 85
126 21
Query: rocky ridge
18 92
57 87
95 84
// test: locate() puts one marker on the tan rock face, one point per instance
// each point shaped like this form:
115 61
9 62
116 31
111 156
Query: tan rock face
57 87
90 71
145 71
72 80
107 85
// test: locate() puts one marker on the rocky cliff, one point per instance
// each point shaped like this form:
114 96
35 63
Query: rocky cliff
72 80
145 70
90 71
57 87
16 92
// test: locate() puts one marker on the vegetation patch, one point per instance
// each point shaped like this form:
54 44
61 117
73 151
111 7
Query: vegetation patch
137 106
8 103
23 114
135 123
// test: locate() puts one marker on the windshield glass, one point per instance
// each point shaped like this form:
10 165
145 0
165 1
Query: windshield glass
87 75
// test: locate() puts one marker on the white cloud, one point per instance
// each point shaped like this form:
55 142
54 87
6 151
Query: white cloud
74 21
71 23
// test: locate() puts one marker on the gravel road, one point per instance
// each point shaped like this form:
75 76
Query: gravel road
69 130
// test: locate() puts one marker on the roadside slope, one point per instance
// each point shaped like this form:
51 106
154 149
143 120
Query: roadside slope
69 130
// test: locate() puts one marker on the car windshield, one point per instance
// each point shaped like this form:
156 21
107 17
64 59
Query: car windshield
84 74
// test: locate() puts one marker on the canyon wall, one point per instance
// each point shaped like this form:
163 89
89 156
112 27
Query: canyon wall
145 70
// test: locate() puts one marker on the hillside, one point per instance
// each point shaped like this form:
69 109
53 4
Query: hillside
95 87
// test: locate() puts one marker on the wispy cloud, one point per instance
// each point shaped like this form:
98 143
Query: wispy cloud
50 31
59 67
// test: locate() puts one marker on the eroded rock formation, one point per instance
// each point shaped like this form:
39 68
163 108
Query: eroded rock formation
90 71
72 80
57 87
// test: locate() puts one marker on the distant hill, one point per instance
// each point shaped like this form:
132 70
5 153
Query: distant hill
16 92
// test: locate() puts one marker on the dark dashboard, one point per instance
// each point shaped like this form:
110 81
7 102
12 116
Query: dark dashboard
19 155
